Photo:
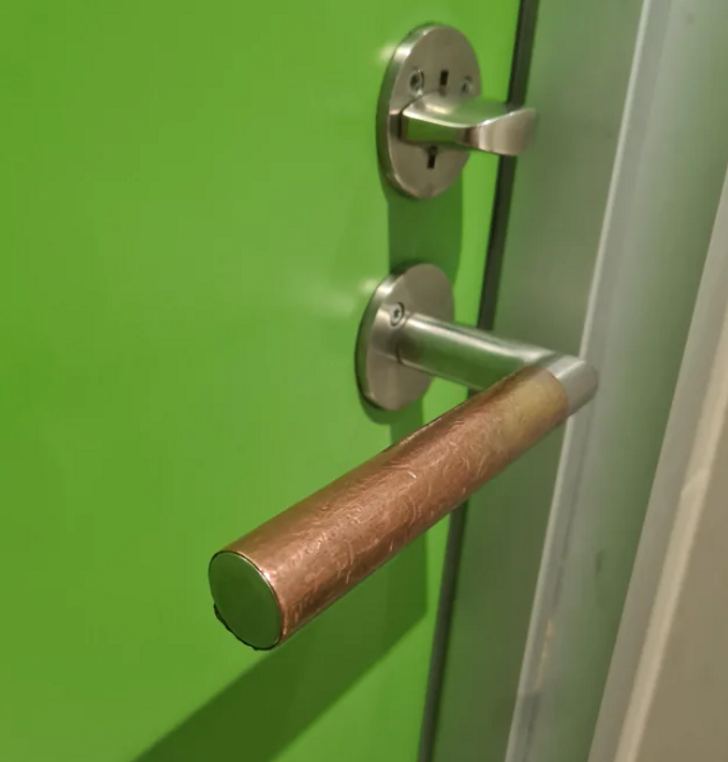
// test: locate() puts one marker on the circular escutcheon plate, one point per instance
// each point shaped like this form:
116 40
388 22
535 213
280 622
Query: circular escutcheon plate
383 380
431 59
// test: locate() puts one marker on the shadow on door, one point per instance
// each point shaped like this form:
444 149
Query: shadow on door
268 707
265 709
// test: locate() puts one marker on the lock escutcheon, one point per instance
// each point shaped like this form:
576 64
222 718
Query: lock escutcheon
431 115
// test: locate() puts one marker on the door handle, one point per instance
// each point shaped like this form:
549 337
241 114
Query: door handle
471 124
274 580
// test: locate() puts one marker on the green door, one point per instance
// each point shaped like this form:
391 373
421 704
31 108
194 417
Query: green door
193 219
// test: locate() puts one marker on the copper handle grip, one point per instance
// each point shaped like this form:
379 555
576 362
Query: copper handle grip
275 579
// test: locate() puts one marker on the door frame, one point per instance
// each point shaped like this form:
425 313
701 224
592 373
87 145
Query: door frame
608 230
673 629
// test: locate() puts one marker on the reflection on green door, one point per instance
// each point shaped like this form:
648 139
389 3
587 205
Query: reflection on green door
192 223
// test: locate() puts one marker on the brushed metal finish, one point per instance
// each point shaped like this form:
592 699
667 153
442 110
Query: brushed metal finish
430 114
406 338
420 60
472 124
312 554
238 587
578 377
462 354
382 379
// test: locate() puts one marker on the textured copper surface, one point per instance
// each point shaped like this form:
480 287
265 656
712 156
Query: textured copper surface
320 548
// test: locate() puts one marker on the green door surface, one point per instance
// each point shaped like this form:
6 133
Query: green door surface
192 222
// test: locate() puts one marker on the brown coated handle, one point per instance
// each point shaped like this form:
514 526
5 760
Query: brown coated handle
278 577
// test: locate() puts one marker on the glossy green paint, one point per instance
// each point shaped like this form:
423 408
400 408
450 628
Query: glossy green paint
192 222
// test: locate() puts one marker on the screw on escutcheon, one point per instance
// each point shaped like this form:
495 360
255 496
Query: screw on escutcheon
417 82
397 314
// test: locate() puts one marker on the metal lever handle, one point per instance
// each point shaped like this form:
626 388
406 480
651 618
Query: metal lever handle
471 124
274 580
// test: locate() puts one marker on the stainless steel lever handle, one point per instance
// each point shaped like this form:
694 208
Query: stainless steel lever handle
271 582
471 124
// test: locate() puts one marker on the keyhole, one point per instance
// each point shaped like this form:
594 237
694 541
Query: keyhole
431 156
444 76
